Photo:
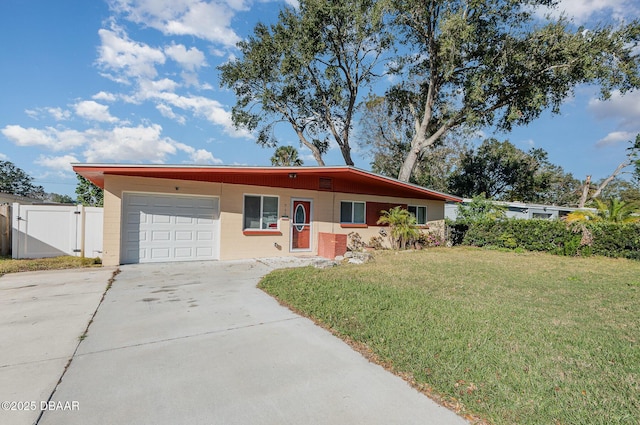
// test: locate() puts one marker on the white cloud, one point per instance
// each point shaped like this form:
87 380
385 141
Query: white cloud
583 10
3 157
57 162
199 156
147 88
615 137
32 113
126 58
167 112
191 80
119 144
203 107
625 109
129 144
209 109
59 114
50 138
209 20
94 111
189 59
530 143
107 97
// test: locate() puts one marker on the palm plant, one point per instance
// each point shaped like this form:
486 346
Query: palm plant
611 211
402 226
286 156
617 211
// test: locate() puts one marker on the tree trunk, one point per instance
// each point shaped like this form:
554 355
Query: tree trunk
313 148
408 165
346 154
609 179
585 192
596 194
316 154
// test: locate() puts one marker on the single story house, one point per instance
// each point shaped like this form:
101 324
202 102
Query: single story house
157 213
519 210
9 198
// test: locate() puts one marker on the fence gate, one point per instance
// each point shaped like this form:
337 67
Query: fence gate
52 230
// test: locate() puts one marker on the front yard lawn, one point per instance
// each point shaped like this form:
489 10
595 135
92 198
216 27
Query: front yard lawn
8 265
524 338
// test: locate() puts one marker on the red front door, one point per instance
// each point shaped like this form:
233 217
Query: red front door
301 225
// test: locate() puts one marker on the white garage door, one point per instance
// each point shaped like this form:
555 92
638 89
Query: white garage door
159 228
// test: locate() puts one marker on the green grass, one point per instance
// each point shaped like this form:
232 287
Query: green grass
8 265
523 338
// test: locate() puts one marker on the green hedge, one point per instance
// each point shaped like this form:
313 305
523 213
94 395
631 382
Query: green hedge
557 237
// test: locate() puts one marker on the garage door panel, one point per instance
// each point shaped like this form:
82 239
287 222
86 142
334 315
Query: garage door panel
132 218
184 236
160 235
160 253
184 220
169 228
183 252
138 200
163 218
204 236
162 201
204 252
134 254
134 236
185 203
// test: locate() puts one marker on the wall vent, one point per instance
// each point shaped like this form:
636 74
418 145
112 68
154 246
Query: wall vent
325 183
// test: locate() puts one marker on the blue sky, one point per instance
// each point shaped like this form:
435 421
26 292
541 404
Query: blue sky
136 81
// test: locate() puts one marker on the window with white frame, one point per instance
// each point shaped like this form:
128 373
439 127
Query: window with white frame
420 213
260 212
352 212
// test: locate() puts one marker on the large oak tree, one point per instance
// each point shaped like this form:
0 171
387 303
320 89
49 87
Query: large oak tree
499 170
484 63
307 70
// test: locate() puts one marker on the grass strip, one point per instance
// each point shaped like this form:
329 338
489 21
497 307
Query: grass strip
8 265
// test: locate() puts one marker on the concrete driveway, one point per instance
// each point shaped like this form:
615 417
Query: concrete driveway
42 317
198 343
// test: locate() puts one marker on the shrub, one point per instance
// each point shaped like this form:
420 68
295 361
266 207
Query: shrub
429 239
376 242
354 242
554 236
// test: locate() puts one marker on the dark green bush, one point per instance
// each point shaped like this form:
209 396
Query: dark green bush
554 236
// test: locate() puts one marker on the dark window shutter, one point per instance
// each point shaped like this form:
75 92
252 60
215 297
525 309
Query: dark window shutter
374 211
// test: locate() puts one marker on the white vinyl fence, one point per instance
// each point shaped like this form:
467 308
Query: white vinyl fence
5 229
52 230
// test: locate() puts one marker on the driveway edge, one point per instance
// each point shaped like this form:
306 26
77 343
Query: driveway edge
80 339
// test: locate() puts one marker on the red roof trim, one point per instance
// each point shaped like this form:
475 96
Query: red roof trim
344 179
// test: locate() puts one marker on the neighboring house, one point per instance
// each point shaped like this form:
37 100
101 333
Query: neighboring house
518 210
9 198
155 213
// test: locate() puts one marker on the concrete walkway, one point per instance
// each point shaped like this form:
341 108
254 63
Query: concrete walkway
198 343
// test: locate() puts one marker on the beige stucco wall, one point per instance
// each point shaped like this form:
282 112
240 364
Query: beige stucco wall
233 243
435 211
